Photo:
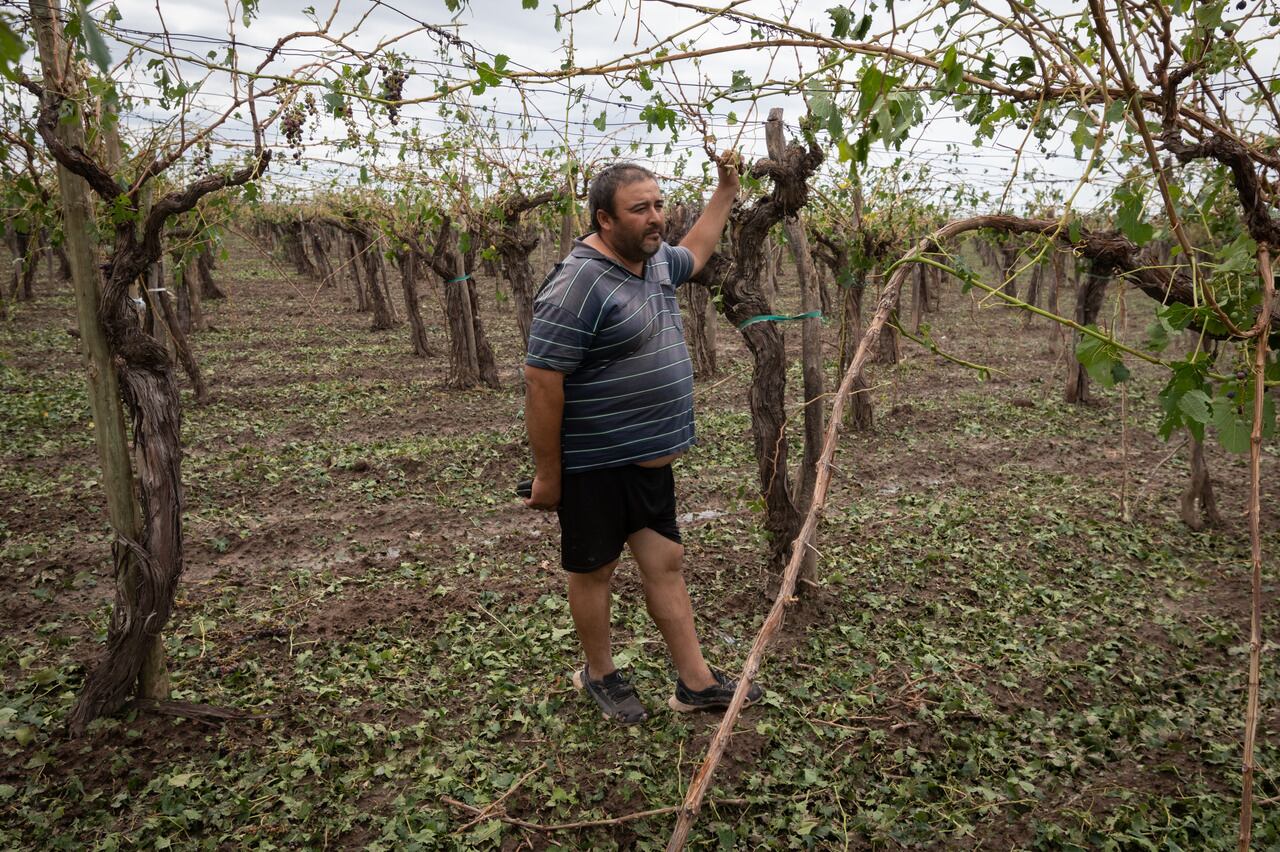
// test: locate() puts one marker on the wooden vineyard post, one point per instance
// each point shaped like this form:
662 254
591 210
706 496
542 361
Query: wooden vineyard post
696 305
568 219
148 566
100 372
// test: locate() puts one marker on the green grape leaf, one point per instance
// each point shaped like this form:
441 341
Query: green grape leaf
11 50
1115 112
1081 138
1101 360
97 47
1129 217
841 21
1021 70
871 87
1233 430
1177 316
1157 336
952 71
1195 404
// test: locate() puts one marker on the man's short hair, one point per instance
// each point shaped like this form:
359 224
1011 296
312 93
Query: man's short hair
604 186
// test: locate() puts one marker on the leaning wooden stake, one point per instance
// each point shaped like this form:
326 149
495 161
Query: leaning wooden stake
888 301
715 751
1255 547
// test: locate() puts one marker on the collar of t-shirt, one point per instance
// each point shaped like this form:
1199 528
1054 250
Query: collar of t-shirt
582 249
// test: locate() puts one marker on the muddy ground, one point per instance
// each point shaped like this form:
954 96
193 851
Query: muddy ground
1014 641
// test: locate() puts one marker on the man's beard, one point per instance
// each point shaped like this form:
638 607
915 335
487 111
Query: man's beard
636 251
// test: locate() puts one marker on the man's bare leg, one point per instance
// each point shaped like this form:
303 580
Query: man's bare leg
589 605
661 562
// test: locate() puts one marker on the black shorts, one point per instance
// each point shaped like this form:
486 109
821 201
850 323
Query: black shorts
599 509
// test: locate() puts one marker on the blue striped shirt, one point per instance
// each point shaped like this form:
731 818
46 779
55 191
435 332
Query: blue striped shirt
619 340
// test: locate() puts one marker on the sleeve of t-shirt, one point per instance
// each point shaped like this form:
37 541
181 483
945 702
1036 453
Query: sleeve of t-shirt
558 338
679 264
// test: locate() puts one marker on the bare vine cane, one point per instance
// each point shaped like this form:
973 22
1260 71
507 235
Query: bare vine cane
1255 546
715 751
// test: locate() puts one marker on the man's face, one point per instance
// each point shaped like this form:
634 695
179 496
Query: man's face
635 228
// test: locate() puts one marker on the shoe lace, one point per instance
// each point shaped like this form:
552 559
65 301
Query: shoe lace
618 689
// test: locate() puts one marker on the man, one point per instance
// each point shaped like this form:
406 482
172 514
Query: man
609 406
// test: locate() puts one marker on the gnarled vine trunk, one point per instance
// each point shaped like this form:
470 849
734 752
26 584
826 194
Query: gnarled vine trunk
834 253
408 261
514 253
319 252
888 350
26 262
355 267
130 367
209 288
1089 297
811 336
1199 490
516 242
738 279
367 256
471 358
700 330
1009 269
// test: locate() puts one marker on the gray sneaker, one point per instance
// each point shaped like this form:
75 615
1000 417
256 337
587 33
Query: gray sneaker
614 694
717 697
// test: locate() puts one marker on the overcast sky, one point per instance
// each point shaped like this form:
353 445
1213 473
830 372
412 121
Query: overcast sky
602 33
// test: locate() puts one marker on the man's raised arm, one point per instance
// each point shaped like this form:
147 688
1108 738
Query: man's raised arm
705 234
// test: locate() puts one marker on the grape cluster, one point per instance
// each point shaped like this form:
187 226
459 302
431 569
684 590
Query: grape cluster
294 119
203 158
291 124
353 131
393 80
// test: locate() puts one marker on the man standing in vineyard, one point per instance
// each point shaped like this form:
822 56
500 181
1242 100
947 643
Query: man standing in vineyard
609 406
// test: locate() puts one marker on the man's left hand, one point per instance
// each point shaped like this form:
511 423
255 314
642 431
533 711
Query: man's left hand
728 170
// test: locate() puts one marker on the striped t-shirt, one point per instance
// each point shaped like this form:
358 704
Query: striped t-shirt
619 340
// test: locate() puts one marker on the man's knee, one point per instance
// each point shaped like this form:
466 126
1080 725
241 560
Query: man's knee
598 576
676 556
665 560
